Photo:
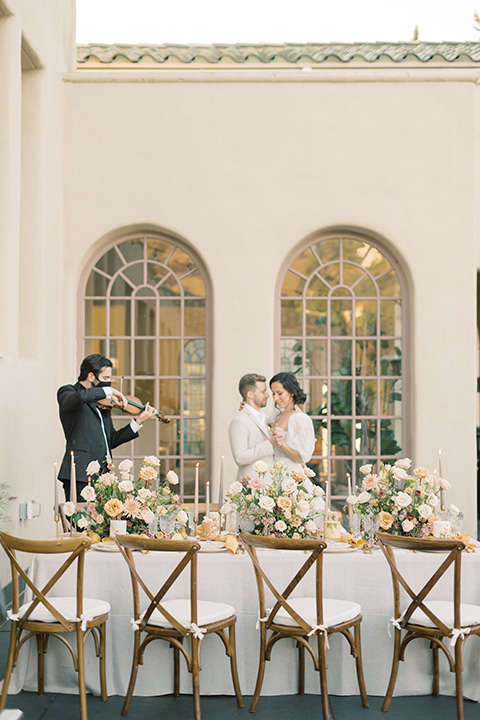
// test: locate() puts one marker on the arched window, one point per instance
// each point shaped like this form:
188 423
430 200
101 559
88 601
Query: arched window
342 333
146 306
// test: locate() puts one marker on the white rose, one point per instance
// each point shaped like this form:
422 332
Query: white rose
280 526
363 497
82 522
318 491
432 500
172 477
260 467
366 469
352 500
288 485
267 503
88 493
403 463
425 511
125 466
93 468
399 473
308 472
444 484
310 527
125 486
430 480
407 526
144 493
403 499
69 508
151 460
235 488
302 508
182 517
125 476
453 509
226 508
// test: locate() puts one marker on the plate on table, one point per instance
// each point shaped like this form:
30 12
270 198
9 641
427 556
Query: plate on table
211 546
339 547
106 547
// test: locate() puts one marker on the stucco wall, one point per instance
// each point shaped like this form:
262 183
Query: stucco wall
245 170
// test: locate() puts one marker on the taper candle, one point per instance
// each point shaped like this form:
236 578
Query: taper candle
195 508
327 495
220 489
73 479
55 490
442 501
207 499
349 484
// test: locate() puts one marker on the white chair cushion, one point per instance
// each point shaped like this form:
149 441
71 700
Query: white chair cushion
208 612
443 609
67 606
334 611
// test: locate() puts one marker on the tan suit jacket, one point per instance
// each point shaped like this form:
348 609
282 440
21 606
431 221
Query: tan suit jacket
249 442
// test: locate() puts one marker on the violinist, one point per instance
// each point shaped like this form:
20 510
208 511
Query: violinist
88 425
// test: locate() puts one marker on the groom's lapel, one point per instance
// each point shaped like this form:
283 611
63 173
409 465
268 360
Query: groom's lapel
252 417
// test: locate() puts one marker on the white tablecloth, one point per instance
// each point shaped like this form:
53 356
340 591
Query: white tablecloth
224 577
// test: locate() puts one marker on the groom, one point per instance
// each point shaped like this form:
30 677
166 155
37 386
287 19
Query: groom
249 435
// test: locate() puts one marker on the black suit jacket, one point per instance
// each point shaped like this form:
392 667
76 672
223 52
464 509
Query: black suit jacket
83 432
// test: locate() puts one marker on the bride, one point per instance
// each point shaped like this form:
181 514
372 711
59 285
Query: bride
293 430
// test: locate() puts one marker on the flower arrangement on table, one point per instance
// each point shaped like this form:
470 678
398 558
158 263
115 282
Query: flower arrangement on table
275 502
121 497
401 503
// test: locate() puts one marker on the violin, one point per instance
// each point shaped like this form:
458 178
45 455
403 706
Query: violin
134 407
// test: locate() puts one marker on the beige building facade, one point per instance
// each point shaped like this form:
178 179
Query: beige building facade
243 158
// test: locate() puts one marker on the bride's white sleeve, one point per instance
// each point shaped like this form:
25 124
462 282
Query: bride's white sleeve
301 435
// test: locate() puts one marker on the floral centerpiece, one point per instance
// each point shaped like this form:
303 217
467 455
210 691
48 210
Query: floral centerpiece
138 501
275 502
402 503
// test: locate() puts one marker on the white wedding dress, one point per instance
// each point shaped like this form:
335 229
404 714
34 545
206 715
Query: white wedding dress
299 436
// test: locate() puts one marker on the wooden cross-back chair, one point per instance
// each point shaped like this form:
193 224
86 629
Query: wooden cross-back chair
176 620
434 620
301 618
46 615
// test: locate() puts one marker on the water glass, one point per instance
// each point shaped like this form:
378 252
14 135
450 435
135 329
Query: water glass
355 522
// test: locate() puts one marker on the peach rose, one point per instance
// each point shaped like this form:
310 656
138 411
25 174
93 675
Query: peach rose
284 503
113 507
148 473
385 520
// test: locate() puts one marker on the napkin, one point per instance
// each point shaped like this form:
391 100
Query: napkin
231 542
354 542
465 539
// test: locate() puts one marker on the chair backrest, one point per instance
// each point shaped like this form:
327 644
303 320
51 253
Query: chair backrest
188 549
73 547
315 549
389 543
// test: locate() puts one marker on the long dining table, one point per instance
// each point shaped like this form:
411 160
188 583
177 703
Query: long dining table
355 576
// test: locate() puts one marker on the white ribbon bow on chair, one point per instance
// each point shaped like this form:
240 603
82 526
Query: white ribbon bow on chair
136 623
264 619
12 616
198 632
323 629
396 622
458 633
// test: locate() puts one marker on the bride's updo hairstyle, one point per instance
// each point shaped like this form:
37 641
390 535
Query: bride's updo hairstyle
290 383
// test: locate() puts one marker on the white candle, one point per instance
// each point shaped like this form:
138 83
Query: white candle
55 490
220 489
442 502
349 484
327 495
195 509
207 499
73 480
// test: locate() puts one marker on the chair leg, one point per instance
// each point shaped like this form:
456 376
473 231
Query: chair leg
133 674
197 713
103 674
322 663
176 671
394 673
40 663
359 666
301 669
82 691
261 668
9 667
459 678
436 670
233 665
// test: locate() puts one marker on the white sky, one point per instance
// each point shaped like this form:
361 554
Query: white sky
158 22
